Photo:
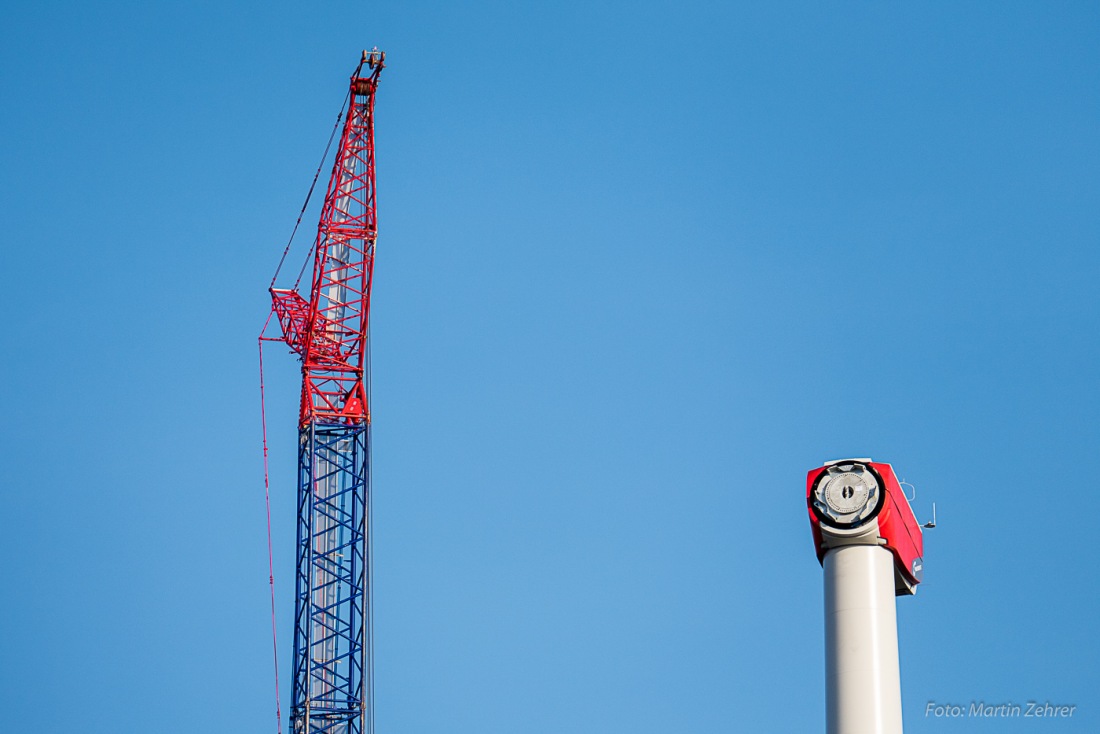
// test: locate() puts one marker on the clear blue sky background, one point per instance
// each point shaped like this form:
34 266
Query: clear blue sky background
642 265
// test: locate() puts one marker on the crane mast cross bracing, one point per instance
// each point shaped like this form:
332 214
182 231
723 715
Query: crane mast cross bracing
332 690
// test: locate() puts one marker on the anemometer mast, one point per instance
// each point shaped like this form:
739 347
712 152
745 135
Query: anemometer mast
333 660
870 546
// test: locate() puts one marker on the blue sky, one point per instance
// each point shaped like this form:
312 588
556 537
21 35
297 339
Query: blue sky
642 265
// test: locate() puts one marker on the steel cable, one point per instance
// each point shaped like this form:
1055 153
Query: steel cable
309 195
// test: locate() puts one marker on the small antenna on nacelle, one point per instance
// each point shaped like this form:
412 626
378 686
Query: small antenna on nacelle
932 523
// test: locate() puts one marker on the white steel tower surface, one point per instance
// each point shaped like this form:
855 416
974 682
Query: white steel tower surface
870 547
862 677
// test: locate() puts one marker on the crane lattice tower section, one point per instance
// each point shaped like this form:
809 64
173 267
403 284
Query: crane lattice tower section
332 689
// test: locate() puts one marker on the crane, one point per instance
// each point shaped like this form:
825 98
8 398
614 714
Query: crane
328 329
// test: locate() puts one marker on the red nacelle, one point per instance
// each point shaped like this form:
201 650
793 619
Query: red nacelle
897 526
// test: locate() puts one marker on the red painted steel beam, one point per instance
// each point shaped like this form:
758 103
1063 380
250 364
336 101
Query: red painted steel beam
329 330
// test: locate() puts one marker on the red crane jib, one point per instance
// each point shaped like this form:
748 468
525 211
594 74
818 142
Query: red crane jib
329 331
293 312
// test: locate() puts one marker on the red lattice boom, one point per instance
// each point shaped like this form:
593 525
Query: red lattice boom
329 331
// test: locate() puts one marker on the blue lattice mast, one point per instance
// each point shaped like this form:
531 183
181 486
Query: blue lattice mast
333 659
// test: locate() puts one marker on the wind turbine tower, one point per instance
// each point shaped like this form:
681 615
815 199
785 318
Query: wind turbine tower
871 549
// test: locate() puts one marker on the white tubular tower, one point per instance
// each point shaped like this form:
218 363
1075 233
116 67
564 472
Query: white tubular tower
862 677
870 547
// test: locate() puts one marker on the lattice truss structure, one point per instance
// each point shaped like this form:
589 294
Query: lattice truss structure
332 660
332 625
330 330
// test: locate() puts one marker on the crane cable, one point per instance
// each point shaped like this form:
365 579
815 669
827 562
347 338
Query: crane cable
309 195
270 555
263 407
